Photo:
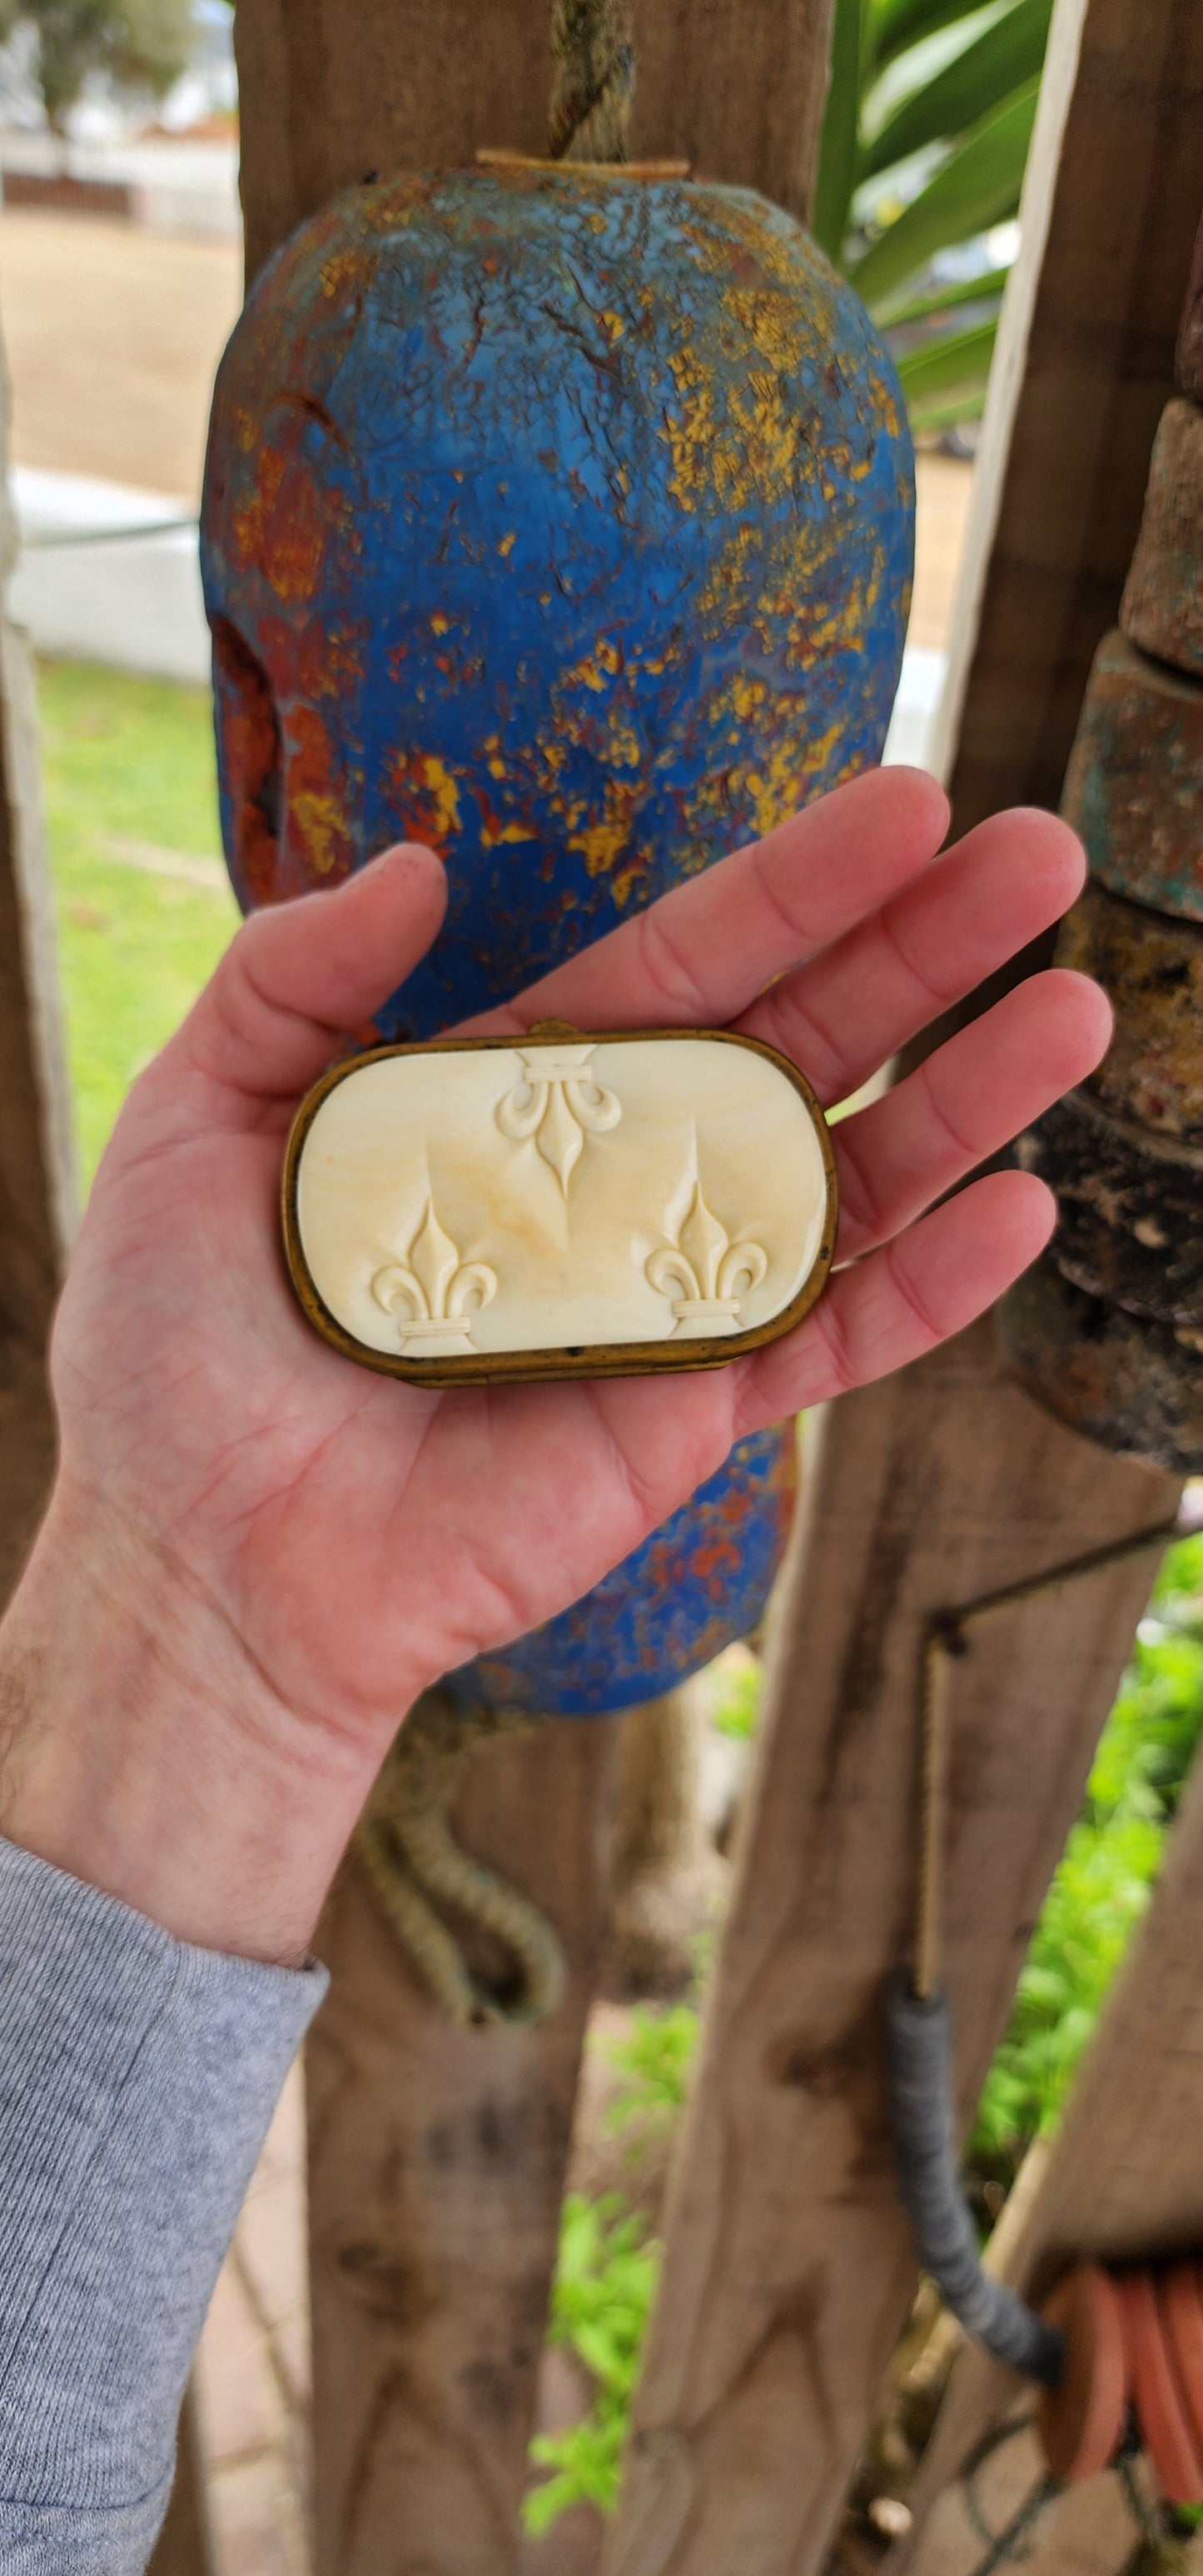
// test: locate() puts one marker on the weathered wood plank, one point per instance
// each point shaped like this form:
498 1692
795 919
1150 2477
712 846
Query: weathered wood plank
36 1164
789 2265
335 91
1085 362
185 2543
437 2160
1124 2178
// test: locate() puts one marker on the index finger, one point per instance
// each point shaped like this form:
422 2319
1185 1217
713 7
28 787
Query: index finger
703 953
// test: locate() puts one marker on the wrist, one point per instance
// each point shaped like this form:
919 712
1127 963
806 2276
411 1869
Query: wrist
143 1751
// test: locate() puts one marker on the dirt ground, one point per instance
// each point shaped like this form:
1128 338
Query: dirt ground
113 335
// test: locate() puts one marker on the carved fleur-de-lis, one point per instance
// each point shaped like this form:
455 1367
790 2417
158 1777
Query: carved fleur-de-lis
709 1273
557 1101
432 1295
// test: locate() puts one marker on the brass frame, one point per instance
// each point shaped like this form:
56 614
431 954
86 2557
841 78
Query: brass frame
593 1360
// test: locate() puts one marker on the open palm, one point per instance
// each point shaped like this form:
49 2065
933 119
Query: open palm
357 1536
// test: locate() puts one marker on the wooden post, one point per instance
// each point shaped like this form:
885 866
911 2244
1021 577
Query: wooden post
36 1160
336 91
185 2543
1124 2179
1085 363
437 2162
789 2263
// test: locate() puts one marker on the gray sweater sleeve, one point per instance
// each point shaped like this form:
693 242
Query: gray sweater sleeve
137 2079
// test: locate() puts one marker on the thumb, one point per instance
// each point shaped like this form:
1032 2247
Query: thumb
300 976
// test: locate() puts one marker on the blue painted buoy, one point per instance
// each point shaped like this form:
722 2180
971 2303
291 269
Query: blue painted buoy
562 521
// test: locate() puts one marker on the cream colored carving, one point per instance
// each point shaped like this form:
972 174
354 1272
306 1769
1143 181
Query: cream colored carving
432 1295
557 1101
710 1273
402 1131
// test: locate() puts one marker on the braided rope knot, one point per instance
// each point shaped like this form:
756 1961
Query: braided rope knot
413 1864
593 81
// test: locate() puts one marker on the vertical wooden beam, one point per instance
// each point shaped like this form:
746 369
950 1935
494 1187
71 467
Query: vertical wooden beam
1085 362
185 2543
789 2263
36 1161
336 91
437 2160
1124 2178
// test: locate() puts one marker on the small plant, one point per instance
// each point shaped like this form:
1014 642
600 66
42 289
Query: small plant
737 1709
925 136
1108 1872
657 2059
601 2301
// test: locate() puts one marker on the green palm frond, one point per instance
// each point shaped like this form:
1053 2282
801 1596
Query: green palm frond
978 186
1002 59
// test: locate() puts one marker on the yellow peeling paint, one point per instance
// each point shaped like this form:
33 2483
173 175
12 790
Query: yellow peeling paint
440 625
506 543
319 823
437 778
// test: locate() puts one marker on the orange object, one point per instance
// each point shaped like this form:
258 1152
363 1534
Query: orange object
1081 2421
1181 2300
1166 2428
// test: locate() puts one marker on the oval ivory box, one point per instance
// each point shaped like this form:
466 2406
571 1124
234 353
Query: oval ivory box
482 1209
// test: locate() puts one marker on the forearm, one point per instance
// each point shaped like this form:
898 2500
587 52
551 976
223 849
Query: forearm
168 1849
137 2078
142 1751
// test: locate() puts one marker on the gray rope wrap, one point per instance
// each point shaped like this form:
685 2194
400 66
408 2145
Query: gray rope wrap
411 1857
593 80
918 2059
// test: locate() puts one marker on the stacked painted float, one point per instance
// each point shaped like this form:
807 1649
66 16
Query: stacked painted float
1108 1328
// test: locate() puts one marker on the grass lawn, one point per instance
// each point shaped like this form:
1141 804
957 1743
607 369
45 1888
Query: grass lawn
129 777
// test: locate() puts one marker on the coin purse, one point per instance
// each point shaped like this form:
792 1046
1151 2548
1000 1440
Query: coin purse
478 1210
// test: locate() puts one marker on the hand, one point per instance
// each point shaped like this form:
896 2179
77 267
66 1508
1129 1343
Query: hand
257 1553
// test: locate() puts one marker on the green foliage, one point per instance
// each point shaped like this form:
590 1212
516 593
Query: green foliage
1106 1877
607 2272
126 759
657 2060
925 136
738 1709
142 44
604 2286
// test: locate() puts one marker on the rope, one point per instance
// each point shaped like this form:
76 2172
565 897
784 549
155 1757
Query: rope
918 2033
918 2063
593 80
944 1638
411 1857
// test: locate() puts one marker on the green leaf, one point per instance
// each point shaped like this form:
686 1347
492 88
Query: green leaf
978 187
839 145
895 24
958 360
1006 55
943 299
928 417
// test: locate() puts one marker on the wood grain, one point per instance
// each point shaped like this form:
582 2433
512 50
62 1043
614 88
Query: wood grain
185 2543
1085 362
1124 2178
336 91
437 2159
36 1162
789 2265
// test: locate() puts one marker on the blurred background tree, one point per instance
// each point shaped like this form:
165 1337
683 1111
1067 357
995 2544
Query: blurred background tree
141 44
925 137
